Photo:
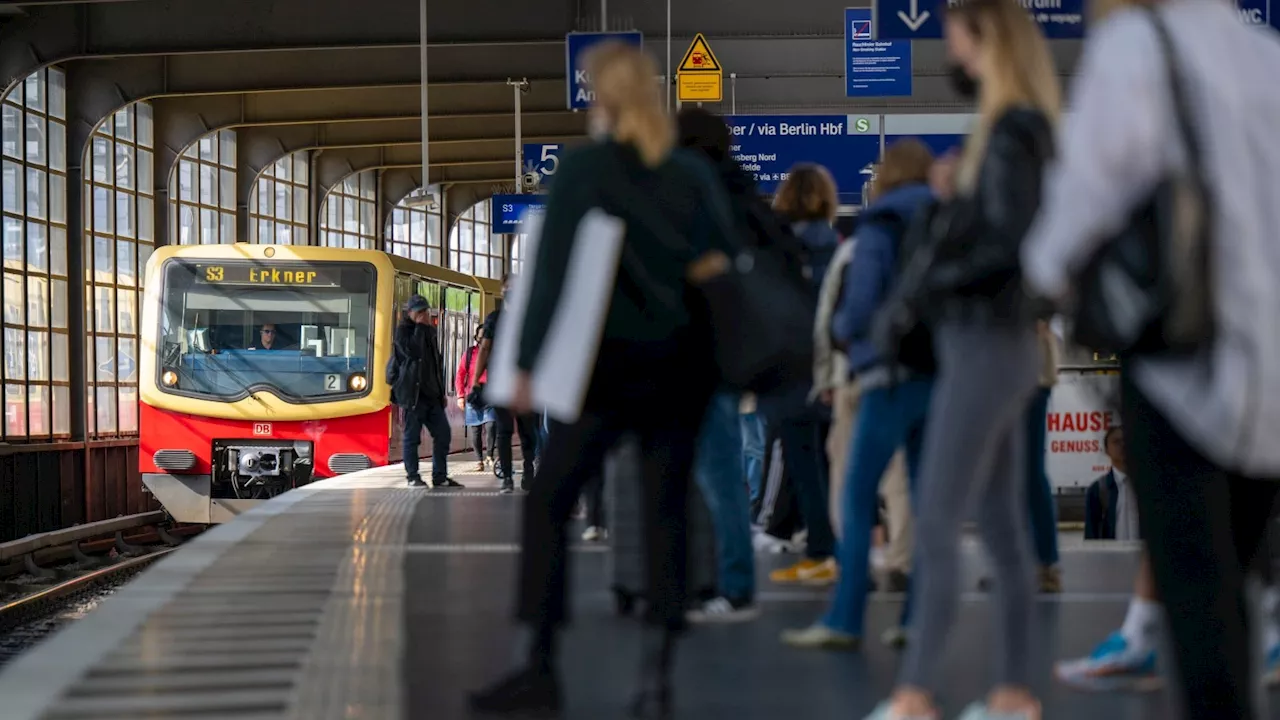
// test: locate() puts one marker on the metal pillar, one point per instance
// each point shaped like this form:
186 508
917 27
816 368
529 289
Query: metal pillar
519 87
604 15
667 79
426 151
733 93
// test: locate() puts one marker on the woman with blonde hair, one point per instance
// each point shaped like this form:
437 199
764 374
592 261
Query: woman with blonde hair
968 288
894 399
652 377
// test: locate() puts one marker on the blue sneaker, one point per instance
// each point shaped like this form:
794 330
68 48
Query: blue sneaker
1113 665
979 711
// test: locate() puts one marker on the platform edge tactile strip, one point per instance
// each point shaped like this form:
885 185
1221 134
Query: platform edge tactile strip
353 667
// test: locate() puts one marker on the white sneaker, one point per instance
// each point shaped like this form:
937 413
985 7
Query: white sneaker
764 542
723 610
595 534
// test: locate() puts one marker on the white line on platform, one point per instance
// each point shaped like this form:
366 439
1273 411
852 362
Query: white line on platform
486 548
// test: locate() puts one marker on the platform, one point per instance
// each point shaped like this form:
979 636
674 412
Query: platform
360 598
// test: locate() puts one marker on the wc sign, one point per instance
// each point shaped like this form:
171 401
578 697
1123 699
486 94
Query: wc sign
1255 12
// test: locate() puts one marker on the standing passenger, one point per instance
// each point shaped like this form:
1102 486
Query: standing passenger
507 421
1200 428
652 377
808 199
477 419
984 334
895 400
420 392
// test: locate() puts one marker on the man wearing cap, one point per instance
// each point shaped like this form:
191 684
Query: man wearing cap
419 390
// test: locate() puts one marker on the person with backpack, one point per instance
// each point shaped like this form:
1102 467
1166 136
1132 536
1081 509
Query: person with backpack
416 375
807 200
895 399
508 423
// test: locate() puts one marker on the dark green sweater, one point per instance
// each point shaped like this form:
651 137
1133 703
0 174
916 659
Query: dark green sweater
673 213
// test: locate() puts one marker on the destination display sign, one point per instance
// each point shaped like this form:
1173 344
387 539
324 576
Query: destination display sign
267 276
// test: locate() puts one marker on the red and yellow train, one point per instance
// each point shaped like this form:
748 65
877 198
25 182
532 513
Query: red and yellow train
262 367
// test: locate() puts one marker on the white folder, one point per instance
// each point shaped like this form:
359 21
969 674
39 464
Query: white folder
562 372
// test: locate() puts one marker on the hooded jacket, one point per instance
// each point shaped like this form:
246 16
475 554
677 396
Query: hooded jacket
871 274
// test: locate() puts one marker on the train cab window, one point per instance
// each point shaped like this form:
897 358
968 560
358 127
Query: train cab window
299 330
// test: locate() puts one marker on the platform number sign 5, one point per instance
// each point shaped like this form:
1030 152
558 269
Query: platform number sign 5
332 382
262 428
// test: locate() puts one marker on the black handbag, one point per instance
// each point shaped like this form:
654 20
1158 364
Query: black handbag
1148 290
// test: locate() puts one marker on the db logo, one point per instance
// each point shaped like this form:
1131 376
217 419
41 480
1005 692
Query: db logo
262 428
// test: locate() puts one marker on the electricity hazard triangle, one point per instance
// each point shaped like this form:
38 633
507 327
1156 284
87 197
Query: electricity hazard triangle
699 58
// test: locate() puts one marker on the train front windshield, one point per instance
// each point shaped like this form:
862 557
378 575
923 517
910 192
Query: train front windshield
300 330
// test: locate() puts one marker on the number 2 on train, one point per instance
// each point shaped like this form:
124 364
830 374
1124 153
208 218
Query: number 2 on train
332 383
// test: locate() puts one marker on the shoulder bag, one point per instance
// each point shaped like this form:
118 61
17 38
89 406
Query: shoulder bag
1148 290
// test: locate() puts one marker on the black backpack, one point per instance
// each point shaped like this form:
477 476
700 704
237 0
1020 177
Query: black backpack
904 337
404 376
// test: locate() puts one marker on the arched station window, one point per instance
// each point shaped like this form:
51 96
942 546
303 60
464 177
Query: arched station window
414 232
202 192
119 191
280 203
33 182
348 212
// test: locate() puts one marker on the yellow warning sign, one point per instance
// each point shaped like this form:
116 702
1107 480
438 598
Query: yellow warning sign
699 87
699 58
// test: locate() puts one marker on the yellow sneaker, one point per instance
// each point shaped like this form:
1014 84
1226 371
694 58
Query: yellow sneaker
807 572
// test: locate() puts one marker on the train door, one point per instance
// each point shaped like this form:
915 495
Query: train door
404 289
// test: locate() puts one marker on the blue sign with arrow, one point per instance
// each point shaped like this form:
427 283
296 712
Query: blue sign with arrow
922 19
575 46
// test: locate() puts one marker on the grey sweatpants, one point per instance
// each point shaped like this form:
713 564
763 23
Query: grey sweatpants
973 460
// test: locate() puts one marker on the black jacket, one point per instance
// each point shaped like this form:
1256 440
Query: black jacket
975 272
673 213
1100 508
417 345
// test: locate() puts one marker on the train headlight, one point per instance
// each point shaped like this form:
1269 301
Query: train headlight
357 382
169 378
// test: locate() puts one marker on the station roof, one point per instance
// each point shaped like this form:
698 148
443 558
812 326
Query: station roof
342 77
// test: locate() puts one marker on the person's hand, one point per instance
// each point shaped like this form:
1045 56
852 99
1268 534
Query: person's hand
462 403
522 398
942 175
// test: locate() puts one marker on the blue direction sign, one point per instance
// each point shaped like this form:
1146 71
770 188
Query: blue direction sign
873 68
767 146
575 45
511 212
921 19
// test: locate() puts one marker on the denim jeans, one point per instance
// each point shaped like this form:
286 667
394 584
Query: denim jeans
429 415
1044 521
753 434
888 419
718 471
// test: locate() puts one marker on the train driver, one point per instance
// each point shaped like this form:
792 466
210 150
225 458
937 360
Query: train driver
268 338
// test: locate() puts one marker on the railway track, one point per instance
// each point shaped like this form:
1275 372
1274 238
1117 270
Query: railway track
51 579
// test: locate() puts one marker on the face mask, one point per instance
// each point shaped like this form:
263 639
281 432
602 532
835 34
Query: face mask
966 86
598 126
